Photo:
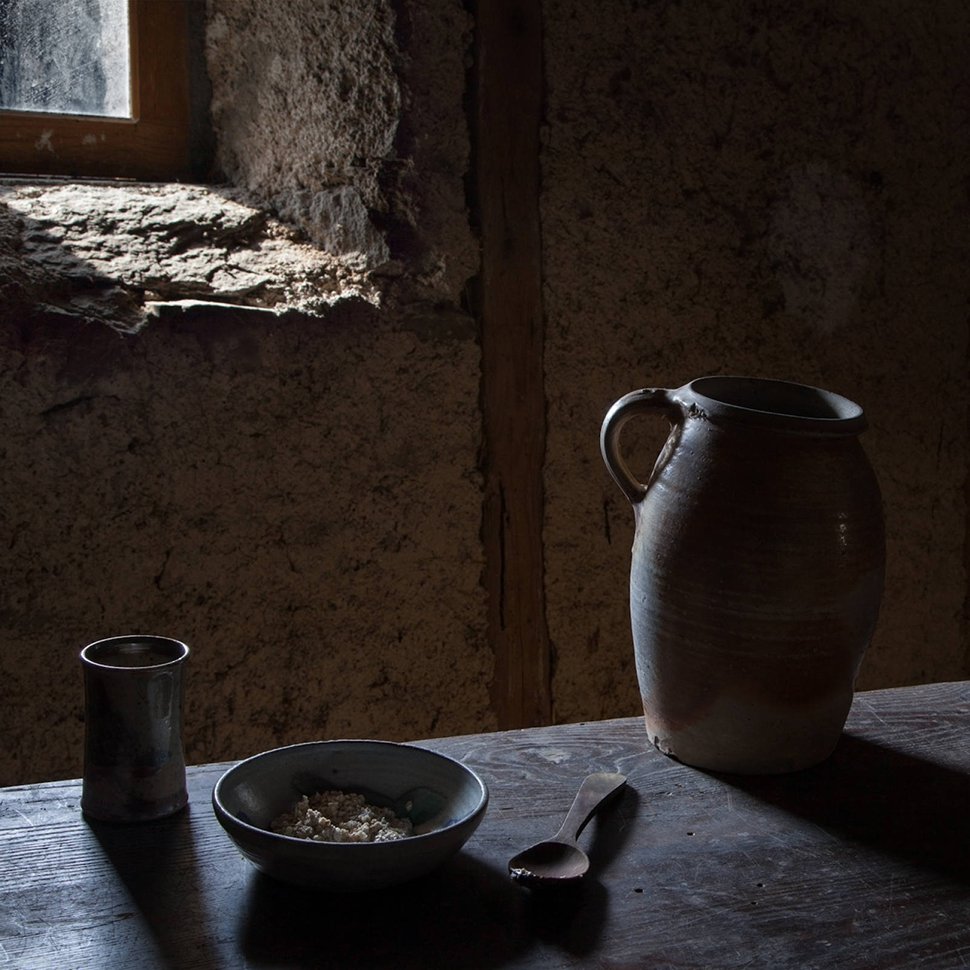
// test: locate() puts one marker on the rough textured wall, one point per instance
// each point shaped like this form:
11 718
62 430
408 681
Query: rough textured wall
272 494
296 495
306 103
111 253
771 190
347 118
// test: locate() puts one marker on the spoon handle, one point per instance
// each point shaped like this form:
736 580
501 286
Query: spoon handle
594 790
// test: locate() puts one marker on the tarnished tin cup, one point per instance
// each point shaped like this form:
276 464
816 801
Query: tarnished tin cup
134 765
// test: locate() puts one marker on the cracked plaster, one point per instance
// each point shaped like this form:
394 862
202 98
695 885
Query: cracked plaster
223 425
722 191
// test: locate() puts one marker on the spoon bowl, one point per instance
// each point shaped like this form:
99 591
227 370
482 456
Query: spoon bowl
550 860
559 860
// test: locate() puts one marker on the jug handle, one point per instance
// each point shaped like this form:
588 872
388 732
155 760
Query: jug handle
636 402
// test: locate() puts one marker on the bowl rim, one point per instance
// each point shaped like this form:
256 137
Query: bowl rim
222 811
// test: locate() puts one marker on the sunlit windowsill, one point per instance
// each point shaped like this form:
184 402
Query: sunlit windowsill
122 253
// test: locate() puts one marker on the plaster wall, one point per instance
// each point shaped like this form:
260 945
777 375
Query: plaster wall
287 101
348 120
271 495
772 190
295 492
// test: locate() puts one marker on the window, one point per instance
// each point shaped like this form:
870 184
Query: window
98 88
68 57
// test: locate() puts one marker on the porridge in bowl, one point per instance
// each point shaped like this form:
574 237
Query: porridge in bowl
336 816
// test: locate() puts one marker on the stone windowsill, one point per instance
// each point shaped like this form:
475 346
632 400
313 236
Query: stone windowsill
123 254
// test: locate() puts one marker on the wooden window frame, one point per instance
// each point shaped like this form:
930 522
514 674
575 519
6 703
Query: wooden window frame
155 144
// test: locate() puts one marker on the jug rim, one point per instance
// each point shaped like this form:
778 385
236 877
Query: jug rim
783 404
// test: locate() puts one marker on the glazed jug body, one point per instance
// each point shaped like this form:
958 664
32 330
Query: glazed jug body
757 570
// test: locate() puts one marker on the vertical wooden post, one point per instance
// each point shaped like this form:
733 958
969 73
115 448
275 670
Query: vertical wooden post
509 113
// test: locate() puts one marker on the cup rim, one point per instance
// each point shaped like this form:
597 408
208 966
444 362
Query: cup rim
90 653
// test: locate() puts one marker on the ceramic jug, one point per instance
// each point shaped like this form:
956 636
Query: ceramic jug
757 569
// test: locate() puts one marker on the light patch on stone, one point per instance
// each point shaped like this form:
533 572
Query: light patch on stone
145 244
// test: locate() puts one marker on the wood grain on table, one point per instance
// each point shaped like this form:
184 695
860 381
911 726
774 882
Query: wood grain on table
862 862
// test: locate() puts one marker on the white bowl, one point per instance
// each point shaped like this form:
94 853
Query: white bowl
444 800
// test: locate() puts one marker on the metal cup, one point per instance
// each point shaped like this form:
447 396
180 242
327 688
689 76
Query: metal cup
134 765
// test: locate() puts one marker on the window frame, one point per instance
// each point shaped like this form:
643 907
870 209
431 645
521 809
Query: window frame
155 144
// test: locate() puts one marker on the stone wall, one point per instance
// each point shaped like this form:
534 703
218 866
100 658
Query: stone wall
248 416
776 191
269 491
348 120
285 470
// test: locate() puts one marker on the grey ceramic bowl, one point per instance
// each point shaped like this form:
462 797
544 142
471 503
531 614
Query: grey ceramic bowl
444 800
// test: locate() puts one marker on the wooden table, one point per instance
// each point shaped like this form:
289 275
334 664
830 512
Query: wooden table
861 862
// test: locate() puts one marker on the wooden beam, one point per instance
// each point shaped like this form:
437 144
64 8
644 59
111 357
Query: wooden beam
509 113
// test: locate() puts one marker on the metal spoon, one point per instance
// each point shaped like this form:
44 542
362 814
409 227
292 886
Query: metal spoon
559 860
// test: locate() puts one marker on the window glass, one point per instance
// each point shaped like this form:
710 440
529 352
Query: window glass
65 57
